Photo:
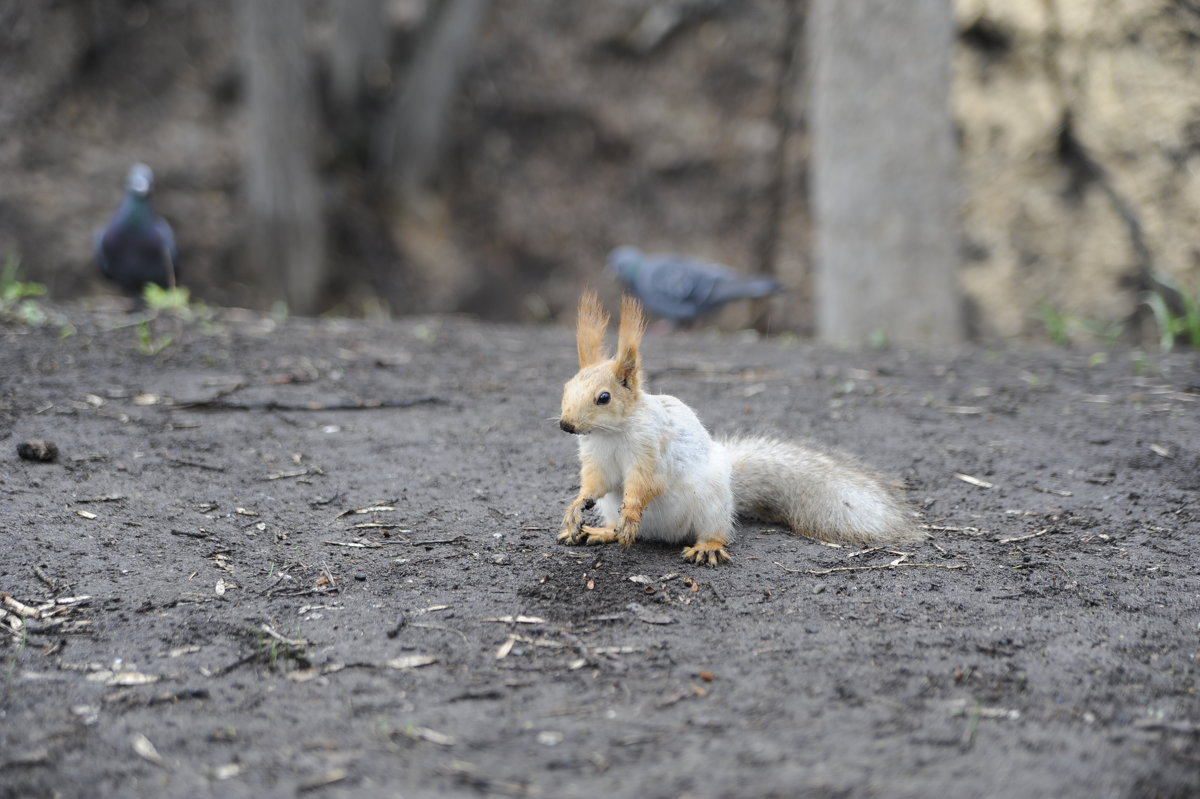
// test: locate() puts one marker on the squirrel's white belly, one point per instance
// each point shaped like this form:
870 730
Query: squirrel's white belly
697 497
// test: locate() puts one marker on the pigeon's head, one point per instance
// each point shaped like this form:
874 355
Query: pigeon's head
140 180
625 261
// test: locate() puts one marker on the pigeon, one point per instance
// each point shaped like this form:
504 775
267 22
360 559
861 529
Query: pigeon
680 288
137 247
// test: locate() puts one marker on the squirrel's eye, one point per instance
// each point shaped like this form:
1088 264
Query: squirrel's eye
603 398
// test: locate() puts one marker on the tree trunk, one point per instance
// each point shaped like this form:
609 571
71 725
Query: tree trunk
359 45
283 192
884 172
411 139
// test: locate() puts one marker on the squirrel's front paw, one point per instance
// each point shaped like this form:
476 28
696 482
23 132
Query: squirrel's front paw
572 523
626 531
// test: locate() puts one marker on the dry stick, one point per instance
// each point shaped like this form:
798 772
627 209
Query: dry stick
195 464
1038 534
868 568
943 529
218 403
45 578
296 642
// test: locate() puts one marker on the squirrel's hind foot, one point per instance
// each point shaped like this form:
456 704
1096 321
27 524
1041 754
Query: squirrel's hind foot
707 553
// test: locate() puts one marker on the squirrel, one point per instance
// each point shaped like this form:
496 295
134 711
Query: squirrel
653 471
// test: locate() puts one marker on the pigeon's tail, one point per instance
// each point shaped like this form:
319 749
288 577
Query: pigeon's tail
746 287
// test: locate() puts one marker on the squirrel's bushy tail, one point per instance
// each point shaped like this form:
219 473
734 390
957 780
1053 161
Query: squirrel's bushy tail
823 495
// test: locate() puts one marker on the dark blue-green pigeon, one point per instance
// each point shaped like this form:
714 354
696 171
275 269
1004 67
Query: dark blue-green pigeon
138 246
680 288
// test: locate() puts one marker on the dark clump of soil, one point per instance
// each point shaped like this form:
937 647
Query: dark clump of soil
280 557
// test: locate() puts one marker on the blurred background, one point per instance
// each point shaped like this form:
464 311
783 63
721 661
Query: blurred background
1035 162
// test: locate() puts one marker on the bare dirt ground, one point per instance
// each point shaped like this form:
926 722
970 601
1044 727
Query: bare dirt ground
236 580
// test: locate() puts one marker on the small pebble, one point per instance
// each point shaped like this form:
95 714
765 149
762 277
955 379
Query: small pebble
818 588
360 576
37 450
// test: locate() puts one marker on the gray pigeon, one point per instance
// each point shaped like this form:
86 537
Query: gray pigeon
679 288
137 247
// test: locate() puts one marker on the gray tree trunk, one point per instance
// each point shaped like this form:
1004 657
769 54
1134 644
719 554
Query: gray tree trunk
360 44
283 193
884 172
412 137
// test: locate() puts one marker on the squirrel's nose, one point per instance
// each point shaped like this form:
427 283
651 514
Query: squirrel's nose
566 426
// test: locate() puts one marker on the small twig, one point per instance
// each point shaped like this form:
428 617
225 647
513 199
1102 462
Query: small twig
975 481
454 540
195 464
1038 534
384 508
459 633
892 565
218 403
287 475
45 578
296 642
937 528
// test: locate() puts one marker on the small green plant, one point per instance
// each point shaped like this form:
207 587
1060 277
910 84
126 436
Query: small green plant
1065 328
18 300
280 653
16 295
148 343
158 298
1057 324
1174 325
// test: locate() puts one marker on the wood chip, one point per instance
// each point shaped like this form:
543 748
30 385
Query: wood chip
144 749
410 662
975 481
518 619
86 514
431 736
122 678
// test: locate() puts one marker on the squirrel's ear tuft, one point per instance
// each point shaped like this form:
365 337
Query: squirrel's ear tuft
589 334
628 366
